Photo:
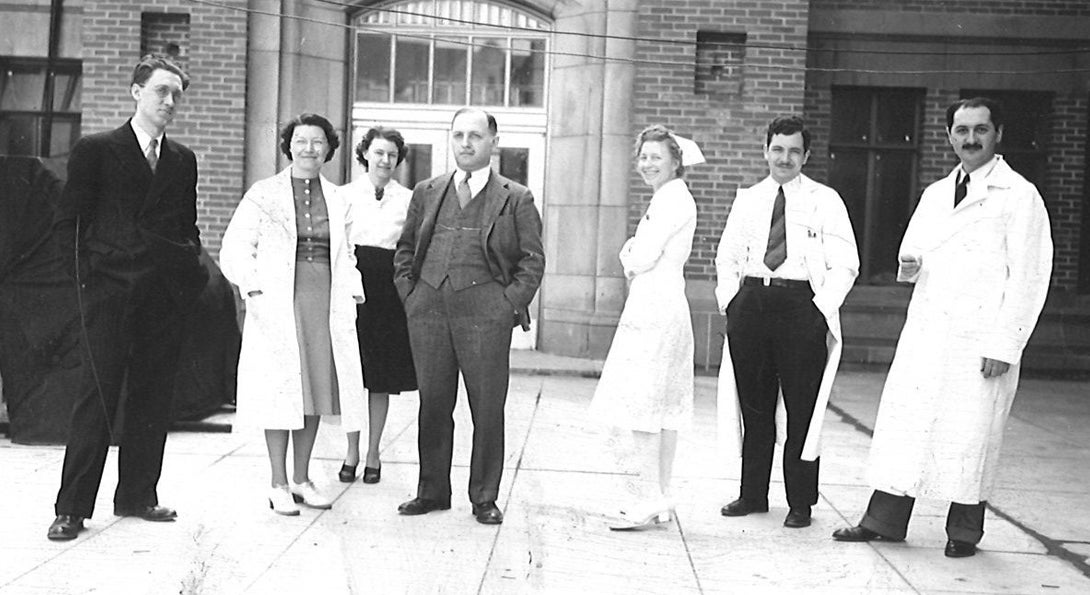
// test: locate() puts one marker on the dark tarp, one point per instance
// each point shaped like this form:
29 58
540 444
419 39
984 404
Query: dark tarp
40 326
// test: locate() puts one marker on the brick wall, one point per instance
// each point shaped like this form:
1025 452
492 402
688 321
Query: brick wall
211 117
729 128
1001 7
1065 170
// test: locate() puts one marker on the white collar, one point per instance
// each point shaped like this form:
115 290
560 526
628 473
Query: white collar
477 178
143 139
981 172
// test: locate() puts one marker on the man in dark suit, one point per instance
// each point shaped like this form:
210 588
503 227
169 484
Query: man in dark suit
127 223
468 262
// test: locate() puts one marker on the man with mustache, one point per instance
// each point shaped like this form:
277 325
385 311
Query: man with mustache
467 264
979 251
127 223
784 265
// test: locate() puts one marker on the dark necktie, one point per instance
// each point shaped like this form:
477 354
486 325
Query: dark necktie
961 189
379 192
152 158
464 194
776 252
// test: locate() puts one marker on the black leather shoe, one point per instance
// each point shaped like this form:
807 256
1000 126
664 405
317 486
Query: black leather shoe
156 514
742 507
421 506
347 474
958 549
797 518
65 527
487 513
860 533
372 474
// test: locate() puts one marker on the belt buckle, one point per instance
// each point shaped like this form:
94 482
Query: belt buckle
766 281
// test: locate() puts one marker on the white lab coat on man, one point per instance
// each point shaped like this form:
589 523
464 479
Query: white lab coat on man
258 254
985 272
819 225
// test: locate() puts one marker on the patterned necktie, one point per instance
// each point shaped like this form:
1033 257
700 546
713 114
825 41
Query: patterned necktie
776 252
379 192
961 190
464 194
152 158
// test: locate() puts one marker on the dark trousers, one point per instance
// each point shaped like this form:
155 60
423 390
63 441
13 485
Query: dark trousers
888 516
776 337
130 338
467 331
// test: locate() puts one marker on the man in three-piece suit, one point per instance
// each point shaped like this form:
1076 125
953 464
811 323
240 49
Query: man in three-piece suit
127 223
467 264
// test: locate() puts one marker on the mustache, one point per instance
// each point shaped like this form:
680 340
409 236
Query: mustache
972 146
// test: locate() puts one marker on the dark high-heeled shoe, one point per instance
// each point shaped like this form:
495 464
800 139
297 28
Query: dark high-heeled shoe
347 474
372 474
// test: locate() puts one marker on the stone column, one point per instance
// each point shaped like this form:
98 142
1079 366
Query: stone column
298 63
590 148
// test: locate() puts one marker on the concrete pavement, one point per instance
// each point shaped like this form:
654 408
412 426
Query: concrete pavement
560 482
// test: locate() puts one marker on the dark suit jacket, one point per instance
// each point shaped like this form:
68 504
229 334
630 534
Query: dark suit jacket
133 225
510 237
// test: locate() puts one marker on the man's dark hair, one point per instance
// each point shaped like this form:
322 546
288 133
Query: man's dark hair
152 62
995 109
491 119
389 134
331 137
788 125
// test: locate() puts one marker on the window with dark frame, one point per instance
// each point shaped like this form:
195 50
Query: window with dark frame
873 155
39 106
719 60
433 61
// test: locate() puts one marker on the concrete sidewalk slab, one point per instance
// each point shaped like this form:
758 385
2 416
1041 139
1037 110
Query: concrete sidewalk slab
560 484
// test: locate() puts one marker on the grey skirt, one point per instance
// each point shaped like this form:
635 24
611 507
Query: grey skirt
312 283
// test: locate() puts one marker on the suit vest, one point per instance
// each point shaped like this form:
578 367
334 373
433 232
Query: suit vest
455 251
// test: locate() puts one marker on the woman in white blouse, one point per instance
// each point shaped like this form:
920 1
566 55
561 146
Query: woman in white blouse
379 206
647 380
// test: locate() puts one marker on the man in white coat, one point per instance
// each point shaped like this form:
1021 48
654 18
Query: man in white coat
979 250
785 263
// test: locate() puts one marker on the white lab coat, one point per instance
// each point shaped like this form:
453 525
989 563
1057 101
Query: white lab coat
258 253
820 225
986 266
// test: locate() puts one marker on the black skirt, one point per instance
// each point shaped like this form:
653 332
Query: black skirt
381 325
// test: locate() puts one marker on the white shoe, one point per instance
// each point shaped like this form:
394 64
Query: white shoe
643 516
281 502
308 495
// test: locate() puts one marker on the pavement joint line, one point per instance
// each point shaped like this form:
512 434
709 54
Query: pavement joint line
1044 429
511 486
1053 547
870 544
688 554
260 575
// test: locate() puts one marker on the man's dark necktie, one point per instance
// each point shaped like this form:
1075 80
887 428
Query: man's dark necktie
961 189
464 194
379 192
776 252
152 158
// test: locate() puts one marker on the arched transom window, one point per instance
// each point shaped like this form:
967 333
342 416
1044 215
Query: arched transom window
450 52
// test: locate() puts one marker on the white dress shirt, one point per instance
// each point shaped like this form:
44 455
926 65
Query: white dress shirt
795 266
144 139
476 181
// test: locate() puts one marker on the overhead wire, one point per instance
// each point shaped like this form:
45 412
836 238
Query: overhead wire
748 65
689 42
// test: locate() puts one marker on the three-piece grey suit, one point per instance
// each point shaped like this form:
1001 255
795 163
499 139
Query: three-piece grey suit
466 277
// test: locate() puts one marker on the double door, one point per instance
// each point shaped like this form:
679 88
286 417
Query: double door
520 156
